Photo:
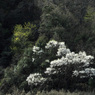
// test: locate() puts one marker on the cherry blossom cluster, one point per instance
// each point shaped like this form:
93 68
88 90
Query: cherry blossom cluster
51 44
35 79
87 72
62 50
67 58
37 50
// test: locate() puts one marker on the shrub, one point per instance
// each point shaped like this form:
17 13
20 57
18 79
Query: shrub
65 66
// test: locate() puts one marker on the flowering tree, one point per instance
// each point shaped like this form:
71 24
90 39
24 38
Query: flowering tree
65 67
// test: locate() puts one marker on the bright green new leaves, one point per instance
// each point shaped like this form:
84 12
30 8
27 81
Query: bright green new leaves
23 36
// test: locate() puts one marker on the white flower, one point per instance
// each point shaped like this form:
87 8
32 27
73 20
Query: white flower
81 72
87 72
75 73
50 71
57 62
61 51
51 44
61 45
76 60
35 79
33 59
64 60
35 49
70 56
82 54
80 61
90 71
67 58
47 61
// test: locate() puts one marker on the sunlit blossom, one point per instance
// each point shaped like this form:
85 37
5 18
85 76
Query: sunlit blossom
51 44
35 79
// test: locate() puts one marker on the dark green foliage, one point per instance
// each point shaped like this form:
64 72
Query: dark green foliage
41 42
5 51
18 12
51 20
91 83
16 75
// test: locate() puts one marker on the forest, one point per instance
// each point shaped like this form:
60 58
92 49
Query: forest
47 47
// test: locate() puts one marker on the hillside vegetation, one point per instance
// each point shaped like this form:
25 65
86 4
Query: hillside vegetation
47 45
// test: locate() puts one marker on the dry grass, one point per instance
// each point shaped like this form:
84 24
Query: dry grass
52 92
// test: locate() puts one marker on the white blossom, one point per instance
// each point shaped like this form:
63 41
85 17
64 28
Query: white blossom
67 58
33 59
51 44
35 79
62 51
80 61
71 58
87 72
75 73
61 45
57 62
81 72
36 49
50 71
47 61
90 71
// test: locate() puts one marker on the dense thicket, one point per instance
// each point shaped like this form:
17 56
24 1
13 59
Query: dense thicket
24 24
14 12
